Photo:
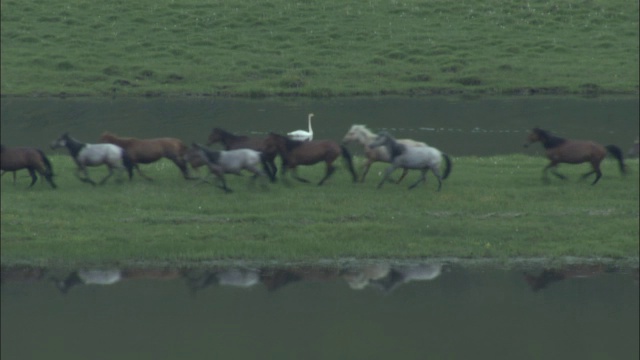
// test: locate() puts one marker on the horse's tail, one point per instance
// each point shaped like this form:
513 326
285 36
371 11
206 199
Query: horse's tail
48 175
128 163
347 157
617 153
447 171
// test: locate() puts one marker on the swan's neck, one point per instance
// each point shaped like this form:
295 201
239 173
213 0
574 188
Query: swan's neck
310 130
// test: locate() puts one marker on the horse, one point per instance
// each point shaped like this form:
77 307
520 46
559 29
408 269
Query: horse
113 156
30 158
364 136
194 159
561 150
295 153
231 162
146 151
232 142
423 158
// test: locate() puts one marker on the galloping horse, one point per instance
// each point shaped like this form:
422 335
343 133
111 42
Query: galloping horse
231 162
32 159
364 136
145 151
561 150
94 155
296 153
410 157
232 142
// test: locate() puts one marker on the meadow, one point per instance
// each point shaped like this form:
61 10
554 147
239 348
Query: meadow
489 208
318 48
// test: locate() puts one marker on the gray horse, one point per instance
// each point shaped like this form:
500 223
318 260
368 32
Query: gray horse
232 162
422 158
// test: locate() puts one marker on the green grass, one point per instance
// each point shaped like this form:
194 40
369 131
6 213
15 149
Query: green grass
318 48
490 207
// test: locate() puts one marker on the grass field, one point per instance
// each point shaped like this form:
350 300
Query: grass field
490 207
318 48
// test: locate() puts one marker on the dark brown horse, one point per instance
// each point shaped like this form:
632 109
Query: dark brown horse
295 153
32 159
145 151
561 150
233 142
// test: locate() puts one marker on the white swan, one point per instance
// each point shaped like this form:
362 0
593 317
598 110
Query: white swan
302 135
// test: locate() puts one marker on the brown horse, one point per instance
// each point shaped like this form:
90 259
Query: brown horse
32 159
145 151
296 153
561 150
233 142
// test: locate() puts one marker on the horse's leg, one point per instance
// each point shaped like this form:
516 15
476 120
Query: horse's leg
224 183
271 166
596 169
386 175
48 175
328 173
552 165
405 171
34 178
141 173
258 173
86 177
422 178
365 170
182 165
294 172
14 175
108 175
436 172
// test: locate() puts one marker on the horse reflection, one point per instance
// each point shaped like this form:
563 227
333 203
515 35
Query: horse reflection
113 276
549 276
403 274
238 277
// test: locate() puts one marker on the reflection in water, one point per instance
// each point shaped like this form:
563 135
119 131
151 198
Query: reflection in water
371 310
548 276
382 276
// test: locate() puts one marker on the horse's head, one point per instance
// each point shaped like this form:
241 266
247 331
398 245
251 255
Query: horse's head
216 136
358 133
106 137
383 138
61 141
536 134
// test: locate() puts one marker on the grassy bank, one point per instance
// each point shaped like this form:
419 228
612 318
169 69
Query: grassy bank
323 48
493 207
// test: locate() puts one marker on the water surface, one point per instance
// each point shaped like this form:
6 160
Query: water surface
461 127
355 311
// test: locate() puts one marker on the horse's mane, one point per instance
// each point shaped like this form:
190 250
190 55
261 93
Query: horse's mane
362 128
548 139
113 137
224 133
289 144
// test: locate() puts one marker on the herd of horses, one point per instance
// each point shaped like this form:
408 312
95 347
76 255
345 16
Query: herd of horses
257 155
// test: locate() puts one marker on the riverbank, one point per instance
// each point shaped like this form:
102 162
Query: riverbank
318 49
489 208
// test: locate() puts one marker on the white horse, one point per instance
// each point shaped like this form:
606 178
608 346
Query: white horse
302 135
411 157
94 155
364 136
222 162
